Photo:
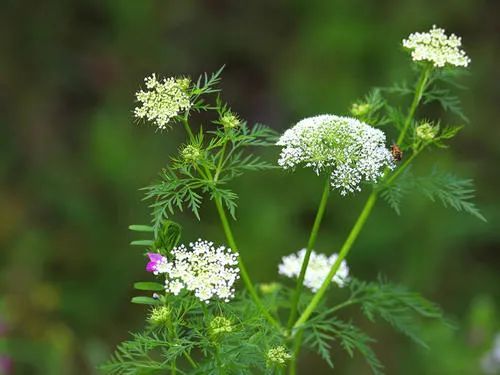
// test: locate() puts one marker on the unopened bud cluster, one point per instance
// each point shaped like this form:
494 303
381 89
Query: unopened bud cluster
160 315
426 132
277 356
220 325
191 153
229 120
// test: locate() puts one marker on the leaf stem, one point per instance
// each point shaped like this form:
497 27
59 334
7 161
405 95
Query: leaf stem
307 256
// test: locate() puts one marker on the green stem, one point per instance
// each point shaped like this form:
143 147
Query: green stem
244 274
346 247
421 84
188 128
307 256
401 168
190 360
296 351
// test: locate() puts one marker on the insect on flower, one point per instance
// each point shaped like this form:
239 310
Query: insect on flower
396 152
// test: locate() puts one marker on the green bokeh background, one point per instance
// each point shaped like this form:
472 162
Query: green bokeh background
72 161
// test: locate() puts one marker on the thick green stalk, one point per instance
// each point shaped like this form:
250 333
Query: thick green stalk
419 91
244 274
307 256
346 247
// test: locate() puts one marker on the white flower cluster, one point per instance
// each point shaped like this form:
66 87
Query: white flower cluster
317 269
208 271
350 149
163 100
438 48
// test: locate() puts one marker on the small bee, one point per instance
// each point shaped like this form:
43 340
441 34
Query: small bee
397 153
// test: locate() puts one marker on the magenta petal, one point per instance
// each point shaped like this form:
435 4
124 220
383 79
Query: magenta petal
150 267
155 257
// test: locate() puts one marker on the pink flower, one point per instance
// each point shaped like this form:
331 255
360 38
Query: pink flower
157 263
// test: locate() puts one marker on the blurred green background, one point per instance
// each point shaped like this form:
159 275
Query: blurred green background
72 161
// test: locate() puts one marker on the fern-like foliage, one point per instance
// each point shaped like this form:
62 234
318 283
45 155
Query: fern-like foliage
394 304
443 187
451 191
325 329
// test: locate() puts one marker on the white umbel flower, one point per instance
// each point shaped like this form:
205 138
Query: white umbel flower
208 271
349 149
317 269
163 100
436 47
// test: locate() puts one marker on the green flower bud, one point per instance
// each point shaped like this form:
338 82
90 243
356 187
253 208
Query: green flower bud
426 131
269 288
360 109
160 315
277 356
220 325
183 83
229 120
191 153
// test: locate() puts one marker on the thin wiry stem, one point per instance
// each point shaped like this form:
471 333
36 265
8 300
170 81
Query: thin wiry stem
244 273
310 245
305 263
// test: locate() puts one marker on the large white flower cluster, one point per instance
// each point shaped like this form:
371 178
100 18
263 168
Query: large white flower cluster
349 149
208 271
436 47
317 269
163 100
